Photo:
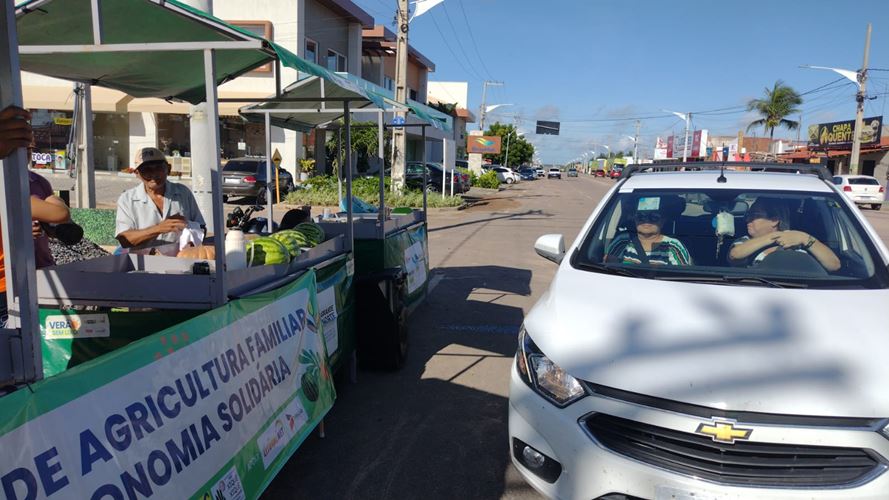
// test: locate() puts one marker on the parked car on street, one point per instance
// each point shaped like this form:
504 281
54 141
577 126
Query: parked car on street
862 189
414 178
554 173
600 173
246 177
506 175
716 368
528 174
572 172
540 172
615 172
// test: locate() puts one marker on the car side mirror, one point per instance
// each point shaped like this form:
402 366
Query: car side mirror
551 247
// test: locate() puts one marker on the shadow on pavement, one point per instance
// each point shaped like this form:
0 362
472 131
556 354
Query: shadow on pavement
526 215
437 428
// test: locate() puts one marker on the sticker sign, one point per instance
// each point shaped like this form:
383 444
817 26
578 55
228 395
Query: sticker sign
328 312
649 203
415 266
77 326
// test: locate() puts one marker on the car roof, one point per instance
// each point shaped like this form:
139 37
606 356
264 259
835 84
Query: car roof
847 176
707 179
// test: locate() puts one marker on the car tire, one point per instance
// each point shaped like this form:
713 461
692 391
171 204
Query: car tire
431 188
876 206
225 198
509 180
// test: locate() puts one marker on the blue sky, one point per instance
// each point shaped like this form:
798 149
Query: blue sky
590 63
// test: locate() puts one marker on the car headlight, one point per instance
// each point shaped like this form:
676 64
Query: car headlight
544 376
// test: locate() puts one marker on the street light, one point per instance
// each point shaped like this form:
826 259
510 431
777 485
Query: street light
859 78
687 118
635 148
508 136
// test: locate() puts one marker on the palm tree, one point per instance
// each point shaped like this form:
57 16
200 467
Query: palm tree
779 102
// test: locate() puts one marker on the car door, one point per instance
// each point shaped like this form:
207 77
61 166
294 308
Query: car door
413 175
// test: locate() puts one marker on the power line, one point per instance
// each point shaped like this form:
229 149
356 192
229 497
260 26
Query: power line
451 50
457 36
474 43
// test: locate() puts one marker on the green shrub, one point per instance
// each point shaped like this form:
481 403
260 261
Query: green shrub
322 191
487 180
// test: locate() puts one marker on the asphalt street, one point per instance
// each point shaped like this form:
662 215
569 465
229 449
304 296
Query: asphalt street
438 428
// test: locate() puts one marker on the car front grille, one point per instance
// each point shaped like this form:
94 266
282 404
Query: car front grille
743 463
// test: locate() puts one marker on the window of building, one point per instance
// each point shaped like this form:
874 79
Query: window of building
261 28
311 50
412 94
336 61
389 83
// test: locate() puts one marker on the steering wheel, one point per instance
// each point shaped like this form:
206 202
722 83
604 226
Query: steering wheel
792 262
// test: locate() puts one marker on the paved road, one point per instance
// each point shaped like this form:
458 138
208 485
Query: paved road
437 429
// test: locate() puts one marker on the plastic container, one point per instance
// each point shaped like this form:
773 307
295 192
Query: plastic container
235 250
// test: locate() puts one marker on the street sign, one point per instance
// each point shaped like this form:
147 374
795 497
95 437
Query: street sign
276 158
547 128
398 121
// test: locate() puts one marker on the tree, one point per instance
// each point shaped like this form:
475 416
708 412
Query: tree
778 103
446 108
520 150
365 142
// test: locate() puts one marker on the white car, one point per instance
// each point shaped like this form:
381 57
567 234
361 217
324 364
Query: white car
862 189
717 366
507 175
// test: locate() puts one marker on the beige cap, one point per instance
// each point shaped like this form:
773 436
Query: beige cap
145 155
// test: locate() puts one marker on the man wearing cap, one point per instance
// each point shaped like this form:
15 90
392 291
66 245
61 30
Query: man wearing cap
155 211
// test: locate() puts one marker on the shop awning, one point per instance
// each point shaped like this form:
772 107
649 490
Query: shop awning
141 66
306 115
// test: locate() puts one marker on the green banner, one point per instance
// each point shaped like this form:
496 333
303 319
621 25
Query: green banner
210 408
409 248
336 308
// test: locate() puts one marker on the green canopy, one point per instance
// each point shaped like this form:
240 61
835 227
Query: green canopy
303 116
306 115
160 73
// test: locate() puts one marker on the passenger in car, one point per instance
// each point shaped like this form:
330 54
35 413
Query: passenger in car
769 230
648 245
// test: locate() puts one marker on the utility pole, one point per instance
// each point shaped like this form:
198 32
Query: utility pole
636 144
399 135
685 144
483 109
855 168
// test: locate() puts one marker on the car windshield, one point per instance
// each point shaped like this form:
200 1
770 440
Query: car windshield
241 166
755 238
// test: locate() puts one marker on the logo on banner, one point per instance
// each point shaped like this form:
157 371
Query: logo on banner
65 326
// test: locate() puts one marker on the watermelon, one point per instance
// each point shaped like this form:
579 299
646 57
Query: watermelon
290 239
301 239
313 232
266 251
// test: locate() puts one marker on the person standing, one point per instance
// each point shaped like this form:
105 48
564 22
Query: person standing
157 210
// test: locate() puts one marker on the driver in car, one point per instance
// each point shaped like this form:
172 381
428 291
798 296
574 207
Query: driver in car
648 245
769 231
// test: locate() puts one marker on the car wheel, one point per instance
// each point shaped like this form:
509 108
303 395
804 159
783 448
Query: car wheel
509 180
225 198
431 188
876 206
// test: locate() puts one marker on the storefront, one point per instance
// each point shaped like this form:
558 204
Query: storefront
52 131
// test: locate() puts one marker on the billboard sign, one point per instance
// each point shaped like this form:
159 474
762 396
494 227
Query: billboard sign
839 134
483 144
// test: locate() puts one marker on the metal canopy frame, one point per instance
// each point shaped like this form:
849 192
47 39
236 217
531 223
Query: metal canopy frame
20 345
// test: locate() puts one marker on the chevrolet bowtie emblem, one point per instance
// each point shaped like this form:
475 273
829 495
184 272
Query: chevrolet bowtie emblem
723 432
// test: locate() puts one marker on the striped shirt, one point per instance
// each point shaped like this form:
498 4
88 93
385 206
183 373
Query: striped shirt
668 252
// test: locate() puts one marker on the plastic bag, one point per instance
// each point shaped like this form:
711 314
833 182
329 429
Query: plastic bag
192 235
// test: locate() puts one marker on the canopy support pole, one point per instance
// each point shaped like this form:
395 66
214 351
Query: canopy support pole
339 164
86 173
269 200
277 77
21 358
425 170
347 119
381 141
97 22
219 294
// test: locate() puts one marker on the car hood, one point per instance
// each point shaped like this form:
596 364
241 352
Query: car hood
742 348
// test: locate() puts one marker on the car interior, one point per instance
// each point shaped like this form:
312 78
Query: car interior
708 225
